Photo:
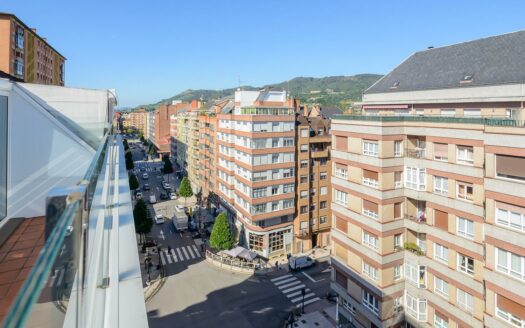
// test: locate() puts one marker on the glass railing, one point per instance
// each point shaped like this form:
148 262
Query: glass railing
51 295
489 121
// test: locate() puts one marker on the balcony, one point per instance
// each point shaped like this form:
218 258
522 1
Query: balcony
487 121
320 138
416 153
318 152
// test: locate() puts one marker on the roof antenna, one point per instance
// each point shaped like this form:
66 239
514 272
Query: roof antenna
239 81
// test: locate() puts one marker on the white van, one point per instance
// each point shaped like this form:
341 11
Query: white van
152 199
300 262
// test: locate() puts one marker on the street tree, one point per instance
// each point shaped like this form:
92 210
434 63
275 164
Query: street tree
129 163
221 237
143 221
133 182
185 189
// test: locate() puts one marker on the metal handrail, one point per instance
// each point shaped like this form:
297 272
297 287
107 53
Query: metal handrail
488 121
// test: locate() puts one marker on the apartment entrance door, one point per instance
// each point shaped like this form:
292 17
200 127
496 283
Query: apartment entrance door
314 240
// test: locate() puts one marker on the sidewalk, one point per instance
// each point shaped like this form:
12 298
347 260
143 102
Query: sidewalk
154 282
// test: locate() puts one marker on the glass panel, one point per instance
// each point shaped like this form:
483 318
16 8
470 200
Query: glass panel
3 157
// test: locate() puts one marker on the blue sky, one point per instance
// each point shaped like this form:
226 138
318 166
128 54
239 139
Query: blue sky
150 50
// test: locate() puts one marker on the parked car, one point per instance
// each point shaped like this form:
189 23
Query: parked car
164 195
152 199
195 235
142 169
138 195
173 195
146 186
300 262
159 219
165 185
145 176
180 208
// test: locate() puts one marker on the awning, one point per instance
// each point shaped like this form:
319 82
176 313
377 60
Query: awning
234 252
385 106
247 255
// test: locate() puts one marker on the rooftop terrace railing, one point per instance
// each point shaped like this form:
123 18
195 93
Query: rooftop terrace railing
487 121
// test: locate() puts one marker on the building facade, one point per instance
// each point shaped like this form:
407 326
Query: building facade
256 169
428 192
135 120
26 55
313 218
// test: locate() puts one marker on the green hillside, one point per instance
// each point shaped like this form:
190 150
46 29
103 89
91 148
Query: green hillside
332 90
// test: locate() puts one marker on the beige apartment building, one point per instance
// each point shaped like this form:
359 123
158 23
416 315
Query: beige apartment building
256 169
135 120
313 216
26 55
428 192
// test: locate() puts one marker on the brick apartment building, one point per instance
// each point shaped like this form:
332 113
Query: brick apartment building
27 56
428 197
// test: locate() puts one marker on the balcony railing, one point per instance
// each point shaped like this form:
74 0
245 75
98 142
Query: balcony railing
495 121
416 153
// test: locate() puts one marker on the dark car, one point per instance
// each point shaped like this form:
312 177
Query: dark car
146 186
164 196
195 235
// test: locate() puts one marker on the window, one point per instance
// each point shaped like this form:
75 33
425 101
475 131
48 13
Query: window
341 171
415 307
323 176
510 216
304 133
19 67
275 158
398 148
415 178
440 152
398 271
259 192
312 222
256 242
322 204
441 287
465 228
288 188
465 155
304 163
287 173
472 112
341 143
439 322
369 271
510 167
441 185
323 161
448 112
287 142
323 190
510 311
370 148
304 209
276 240
465 191
398 179
322 219
416 274
287 203
275 143
340 197
440 253
370 178
370 302
398 210
304 193
304 148
398 240
304 179
275 206
510 264
465 300
275 190
465 264
370 240
370 209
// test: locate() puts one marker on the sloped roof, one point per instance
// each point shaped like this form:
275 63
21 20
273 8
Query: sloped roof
488 61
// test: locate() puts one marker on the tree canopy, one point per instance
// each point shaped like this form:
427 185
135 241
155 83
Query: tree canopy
221 237
143 222
168 168
133 182
185 188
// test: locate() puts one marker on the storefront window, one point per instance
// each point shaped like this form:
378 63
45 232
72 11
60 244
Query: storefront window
256 242
277 240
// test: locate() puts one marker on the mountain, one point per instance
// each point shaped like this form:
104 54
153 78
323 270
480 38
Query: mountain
332 90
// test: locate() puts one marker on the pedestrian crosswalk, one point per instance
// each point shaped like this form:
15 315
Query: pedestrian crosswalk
179 254
292 288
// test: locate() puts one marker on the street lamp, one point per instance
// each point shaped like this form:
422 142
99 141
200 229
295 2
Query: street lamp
303 292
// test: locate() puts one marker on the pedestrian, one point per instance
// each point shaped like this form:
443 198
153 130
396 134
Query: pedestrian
276 265
169 249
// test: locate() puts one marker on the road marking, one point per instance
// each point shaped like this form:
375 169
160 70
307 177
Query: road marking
308 276
281 277
185 253
297 299
309 301
162 259
174 256
162 235
284 281
290 284
293 288
167 256
195 249
189 251
59 282
180 255
297 293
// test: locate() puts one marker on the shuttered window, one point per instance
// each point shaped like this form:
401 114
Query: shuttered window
511 167
370 209
341 143
440 151
441 220
341 224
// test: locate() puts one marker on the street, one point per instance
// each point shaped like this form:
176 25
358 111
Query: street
198 294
